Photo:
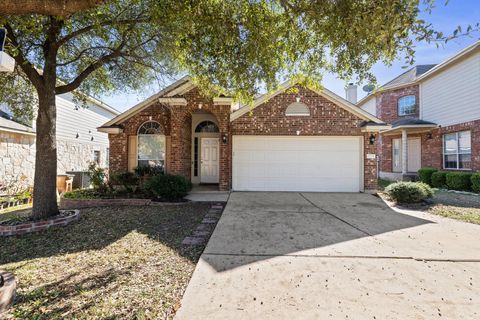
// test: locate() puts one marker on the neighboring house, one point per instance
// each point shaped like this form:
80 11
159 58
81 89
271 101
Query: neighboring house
78 142
434 111
294 139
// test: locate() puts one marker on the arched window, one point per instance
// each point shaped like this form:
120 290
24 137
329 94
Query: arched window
151 145
407 105
207 126
297 109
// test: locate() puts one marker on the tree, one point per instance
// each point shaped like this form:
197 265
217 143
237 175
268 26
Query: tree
48 7
231 46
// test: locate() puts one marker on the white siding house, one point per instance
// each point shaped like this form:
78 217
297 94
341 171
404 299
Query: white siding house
78 141
370 105
452 95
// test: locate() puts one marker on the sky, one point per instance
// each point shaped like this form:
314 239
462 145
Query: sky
443 18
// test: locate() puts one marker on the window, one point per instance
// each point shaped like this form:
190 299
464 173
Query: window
151 145
406 105
297 109
207 126
457 151
397 161
96 157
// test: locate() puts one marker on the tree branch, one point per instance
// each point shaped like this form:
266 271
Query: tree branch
46 7
89 70
26 66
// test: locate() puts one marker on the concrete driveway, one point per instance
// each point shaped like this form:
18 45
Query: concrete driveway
333 256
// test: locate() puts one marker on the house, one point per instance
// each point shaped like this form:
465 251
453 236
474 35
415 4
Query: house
293 139
78 142
434 111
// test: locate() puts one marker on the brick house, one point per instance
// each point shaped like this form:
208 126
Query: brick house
434 111
294 139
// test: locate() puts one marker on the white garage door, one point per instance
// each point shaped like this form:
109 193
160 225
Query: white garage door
281 163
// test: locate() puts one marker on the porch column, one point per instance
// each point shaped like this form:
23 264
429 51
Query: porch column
404 152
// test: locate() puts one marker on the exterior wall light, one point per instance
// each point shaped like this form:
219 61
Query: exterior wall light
224 139
371 139
429 136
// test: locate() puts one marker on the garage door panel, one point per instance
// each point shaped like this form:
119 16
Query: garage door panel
279 163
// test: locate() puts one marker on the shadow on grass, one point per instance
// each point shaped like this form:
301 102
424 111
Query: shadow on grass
100 227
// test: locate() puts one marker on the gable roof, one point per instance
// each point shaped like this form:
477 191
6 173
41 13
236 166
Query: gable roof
329 95
146 103
421 72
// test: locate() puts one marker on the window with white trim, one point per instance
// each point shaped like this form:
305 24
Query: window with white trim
407 105
457 150
151 145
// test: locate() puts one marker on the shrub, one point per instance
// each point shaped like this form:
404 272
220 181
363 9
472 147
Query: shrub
439 179
148 171
459 180
425 175
475 179
168 187
409 192
97 176
128 180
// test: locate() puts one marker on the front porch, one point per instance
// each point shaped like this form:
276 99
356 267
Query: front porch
403 145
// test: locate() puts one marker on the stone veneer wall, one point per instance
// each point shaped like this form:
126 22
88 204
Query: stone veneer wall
17 161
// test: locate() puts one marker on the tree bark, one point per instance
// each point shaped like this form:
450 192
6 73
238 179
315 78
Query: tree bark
45 182
46 7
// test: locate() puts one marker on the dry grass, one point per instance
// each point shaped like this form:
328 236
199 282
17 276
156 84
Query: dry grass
119 262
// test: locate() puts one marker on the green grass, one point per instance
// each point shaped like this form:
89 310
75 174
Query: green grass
471 215
114 263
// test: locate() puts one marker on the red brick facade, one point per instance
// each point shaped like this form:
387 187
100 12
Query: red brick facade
387 103
326 118
431 143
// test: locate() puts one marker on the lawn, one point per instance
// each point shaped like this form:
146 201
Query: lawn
118 262
464 207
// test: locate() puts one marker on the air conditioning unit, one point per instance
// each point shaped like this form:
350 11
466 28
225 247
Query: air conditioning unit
7 63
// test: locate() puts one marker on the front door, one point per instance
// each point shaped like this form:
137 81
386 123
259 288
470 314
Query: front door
414 161
209 160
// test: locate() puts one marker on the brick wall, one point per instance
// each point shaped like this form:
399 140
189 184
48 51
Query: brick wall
432 148
387 103
326 118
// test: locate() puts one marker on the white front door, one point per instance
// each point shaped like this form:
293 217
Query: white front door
209 160
292 163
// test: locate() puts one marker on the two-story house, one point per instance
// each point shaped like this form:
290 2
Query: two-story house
78 141
434 112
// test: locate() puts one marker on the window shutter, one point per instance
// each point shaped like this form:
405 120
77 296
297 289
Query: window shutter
132 153
167 153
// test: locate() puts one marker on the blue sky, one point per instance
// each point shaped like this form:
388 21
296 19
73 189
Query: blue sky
443 18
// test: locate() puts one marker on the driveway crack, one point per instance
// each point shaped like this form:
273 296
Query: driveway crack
334 216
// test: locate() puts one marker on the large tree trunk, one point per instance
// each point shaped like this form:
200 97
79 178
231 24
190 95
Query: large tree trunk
45 183
46 7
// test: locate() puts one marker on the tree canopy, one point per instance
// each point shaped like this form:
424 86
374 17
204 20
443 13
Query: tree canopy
232 47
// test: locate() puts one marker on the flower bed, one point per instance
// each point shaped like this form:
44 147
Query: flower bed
18 227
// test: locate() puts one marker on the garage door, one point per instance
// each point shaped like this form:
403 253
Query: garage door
280 163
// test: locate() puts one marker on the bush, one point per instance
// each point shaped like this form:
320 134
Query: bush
409 192
128 180
97 176
439 179
148 171
475 179
459 181
168 187
425 175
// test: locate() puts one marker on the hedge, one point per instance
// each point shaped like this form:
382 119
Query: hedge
475 179
425 175
439 179
459 181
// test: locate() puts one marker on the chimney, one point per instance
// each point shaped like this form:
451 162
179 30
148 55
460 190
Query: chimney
351 93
